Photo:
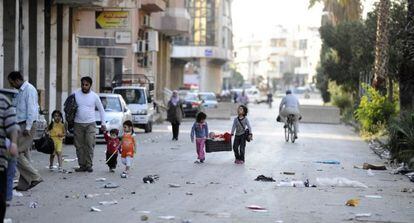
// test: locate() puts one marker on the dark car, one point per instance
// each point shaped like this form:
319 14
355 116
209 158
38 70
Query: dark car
191 104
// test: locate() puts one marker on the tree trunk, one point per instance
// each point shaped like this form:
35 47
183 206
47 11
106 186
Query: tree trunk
406 74
390 90
381 47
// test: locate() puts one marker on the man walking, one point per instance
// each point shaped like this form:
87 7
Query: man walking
85 124
27 113
8 129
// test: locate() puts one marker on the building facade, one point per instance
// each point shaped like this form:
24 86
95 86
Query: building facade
55 43
210 44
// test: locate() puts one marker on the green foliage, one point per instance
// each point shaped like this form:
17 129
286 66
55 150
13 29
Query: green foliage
237 79
322 82
340 98
374 111
401 138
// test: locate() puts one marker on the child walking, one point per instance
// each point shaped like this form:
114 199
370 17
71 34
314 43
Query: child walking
57 133
239 128
112 146
200 131
128 147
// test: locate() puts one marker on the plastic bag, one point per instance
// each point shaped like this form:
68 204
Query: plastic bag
339 182
45 144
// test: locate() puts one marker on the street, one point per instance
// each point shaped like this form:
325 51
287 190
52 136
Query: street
219 190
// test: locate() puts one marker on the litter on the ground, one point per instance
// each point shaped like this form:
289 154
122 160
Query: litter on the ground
33 204
7 220
189 182
111 185
360 215
107 203
91 195
145 212
167 217
339 182
256 208
373 196
279 221
370 173
144 218
329 162
150 179
67 160
100 179
352 202
95 209
367 166
407 190
189 193
174 185
264 178
17 194
289 173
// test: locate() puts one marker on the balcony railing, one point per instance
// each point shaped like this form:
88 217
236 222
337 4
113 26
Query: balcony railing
153 5
99 3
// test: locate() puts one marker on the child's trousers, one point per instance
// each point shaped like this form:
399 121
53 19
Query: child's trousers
200 142
239 145
113 161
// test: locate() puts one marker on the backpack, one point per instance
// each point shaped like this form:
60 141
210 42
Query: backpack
70 109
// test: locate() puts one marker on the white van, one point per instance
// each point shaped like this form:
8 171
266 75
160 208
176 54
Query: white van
140 103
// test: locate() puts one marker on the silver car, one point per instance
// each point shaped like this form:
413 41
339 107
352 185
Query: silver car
116 113
208 99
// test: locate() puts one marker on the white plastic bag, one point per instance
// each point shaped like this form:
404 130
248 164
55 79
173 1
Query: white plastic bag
339 182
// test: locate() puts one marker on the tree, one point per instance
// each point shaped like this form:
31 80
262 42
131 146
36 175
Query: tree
406 75
236 79
341 10
381 47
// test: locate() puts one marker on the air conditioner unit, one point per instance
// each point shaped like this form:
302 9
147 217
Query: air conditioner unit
152 40
146 21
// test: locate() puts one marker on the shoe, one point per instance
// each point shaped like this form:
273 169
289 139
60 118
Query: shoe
202 161
80 169
237 161
241 162
60 170
20 189
51 168
285 126
89 169
111 170
296 137
197 162
34 183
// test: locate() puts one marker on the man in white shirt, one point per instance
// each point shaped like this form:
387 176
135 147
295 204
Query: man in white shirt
26 114
85 124
290 105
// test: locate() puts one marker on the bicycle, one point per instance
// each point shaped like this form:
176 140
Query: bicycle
290 129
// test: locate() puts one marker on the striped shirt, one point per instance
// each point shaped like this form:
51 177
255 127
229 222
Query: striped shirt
8 124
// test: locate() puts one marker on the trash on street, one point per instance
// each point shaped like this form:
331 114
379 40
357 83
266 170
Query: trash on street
264 178
367 166
168 217
144 218
17 194
107 203
370 173
289 173
360 215
33 204
373 196
256 207
352 202
150 179
110 185
101 179
174 185
329 162
339 182
95 209
67 160
91 195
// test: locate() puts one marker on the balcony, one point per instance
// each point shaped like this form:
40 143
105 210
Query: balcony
153 5
100 3
172 22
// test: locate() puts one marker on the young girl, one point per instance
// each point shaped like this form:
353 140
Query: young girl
128 147
57 133
112 146
200 130
239 127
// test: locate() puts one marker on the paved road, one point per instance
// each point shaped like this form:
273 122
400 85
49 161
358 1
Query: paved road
221 190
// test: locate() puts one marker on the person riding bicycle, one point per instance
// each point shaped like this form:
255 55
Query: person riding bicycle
290 105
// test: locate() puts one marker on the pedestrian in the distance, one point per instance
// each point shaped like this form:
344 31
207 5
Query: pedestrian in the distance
8 129
200 131
128 147
240 124
85 124
175 114
112 147
27 111
57 133
243 99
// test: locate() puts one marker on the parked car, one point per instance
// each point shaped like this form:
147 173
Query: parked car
140 103
40 124
208 99
116 113
191 104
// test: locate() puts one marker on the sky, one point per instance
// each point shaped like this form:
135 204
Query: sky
257 16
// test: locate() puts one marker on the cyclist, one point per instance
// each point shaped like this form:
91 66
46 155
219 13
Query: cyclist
290 105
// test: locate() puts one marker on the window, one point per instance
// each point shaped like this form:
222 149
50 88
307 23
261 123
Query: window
111 104
132 96
303 44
